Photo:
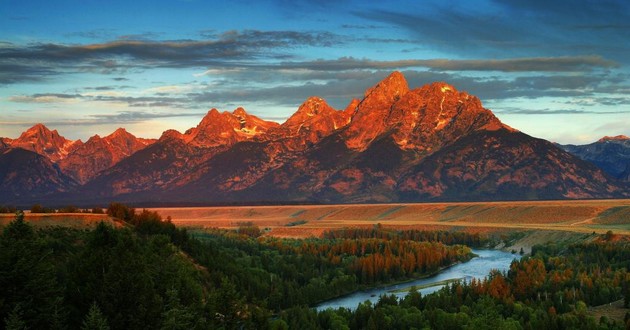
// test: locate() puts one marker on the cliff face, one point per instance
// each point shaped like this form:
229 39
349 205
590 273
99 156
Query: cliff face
396 144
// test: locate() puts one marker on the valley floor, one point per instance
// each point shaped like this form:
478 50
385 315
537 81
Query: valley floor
580 216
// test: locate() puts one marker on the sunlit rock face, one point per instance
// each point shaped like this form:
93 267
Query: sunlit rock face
221 129
313 121
45 142
97 154
395 144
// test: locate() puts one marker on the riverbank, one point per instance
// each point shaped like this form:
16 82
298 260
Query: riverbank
478 267
530 238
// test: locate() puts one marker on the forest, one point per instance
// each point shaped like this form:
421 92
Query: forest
147 273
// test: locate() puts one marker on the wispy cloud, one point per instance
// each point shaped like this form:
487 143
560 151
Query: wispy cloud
118 118
35 61
46 98
546 64
519 27
137 116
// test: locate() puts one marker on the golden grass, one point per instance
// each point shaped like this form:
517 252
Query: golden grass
584 216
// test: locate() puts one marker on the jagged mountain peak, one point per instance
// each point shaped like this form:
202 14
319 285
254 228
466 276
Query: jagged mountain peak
86 160
225 128
171 134
392 86
313 121
312 107
369 119
45 142
421 119
614 138
120 132
38 131
240 112
437 114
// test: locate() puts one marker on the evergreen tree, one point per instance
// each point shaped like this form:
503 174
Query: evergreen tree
95 320
14 320
27 275
176 316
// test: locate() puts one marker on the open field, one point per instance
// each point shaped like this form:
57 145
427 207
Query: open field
548 218
583 216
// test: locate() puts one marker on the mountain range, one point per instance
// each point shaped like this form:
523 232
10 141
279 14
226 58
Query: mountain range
396 144
610 153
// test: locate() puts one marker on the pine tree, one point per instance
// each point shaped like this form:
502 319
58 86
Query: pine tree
95 320
176 316
14 320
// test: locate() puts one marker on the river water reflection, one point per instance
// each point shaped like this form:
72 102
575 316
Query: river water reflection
478 267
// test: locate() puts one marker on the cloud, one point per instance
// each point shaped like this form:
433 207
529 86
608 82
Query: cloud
516 28
546 64
45 98
12 72
136 116
97 34
121 117
33 61
145 36
361 26
542 111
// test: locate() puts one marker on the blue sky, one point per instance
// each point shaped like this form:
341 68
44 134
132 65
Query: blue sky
558 70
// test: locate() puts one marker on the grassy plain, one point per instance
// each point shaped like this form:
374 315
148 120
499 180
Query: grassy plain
578 216
544 220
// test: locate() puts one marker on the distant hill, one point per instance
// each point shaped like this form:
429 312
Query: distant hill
611 154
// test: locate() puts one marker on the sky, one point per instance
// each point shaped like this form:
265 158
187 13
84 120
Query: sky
558 70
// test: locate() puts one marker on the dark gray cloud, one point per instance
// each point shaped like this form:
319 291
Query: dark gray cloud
152 101
45 98
12 72
38 60
108 88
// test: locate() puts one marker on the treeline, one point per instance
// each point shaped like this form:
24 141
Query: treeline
38 208
445 237
376 260
550 290
8 209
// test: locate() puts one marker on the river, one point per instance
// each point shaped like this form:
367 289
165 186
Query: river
478 267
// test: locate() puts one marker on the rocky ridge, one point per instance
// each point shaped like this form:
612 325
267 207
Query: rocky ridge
396 144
